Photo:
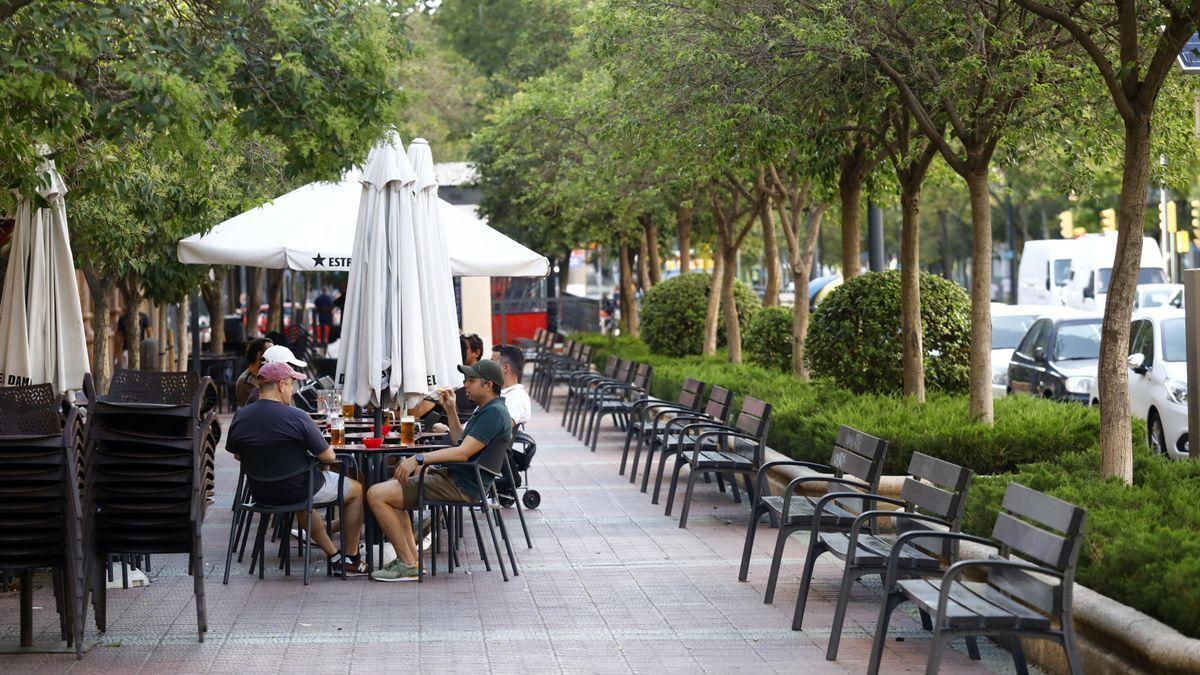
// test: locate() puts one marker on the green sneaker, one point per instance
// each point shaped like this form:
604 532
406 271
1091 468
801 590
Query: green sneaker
395 571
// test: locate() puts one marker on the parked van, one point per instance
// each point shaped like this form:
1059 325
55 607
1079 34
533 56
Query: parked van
1045 267
1091 270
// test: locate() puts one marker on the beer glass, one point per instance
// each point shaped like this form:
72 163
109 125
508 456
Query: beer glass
337 431
347 409
408 430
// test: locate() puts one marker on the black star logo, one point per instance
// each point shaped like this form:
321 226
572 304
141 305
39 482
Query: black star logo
318 260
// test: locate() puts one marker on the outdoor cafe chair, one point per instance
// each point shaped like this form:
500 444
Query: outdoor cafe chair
689 401
933 498
40 505
560 369
589 391
739 451
616 400
581 380
677 432
1025 592
855 466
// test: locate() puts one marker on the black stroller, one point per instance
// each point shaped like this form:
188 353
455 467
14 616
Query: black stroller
523 450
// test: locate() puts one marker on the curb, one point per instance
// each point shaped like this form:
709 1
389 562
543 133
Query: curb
1112 637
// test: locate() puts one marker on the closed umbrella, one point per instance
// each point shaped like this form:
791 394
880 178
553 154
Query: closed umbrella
41 323
438 311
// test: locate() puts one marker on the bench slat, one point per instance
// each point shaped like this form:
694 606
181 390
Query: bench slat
1029 541
927 497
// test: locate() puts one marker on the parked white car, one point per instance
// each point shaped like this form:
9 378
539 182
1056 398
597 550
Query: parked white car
1158 295
1009 325
1158 379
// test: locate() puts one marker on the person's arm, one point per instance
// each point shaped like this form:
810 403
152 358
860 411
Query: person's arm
450 405
460 453
421 409
315 441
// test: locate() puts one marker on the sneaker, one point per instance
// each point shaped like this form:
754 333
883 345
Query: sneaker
350 567
396 570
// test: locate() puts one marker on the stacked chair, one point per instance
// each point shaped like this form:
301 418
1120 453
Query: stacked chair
39 501
149 471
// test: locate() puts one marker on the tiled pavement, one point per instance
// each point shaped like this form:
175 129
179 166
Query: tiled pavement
612 585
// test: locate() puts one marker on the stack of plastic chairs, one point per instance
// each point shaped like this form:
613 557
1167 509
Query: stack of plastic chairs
39 498
150 447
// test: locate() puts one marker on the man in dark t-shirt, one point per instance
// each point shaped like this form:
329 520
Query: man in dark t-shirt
276 444
452 483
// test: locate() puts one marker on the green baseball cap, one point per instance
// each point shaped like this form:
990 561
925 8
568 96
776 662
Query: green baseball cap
485 369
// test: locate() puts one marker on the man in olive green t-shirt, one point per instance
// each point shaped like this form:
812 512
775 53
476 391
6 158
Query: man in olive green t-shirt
451 483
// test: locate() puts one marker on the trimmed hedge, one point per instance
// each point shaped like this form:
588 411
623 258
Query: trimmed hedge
855 339
768 339
1141 543
672 318
806 416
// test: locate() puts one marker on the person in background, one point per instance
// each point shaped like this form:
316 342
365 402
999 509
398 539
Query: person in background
122 333
275 443
323 306
277 354
472 350
247 382
516 399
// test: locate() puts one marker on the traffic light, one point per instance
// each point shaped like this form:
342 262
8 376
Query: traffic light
1196 214
1172 219
1183 242
1066 224
1108 221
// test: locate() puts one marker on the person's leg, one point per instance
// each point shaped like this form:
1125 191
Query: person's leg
385 498
352 516
319 536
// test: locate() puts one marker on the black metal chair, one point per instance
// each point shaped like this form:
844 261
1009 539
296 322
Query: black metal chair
855 465
39 504
671 434
559 369
689 401
934 495
581 381
1026 590
739 451
616 399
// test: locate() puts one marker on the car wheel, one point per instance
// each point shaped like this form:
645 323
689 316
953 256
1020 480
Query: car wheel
1155 436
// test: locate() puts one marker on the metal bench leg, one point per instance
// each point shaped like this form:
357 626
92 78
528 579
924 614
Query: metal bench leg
687 498
935 652
658 479
748 547
629 432
1018 654
839 614
674 483
973 650
889 605
1068 642
815 549
781 538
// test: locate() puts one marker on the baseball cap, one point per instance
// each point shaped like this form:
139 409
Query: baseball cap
277 371
486 369
281 354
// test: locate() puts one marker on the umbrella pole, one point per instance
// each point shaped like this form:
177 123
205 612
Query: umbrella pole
196 330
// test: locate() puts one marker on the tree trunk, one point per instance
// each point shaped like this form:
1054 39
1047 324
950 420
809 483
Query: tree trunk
981 288
800 274
99 291
629 315
713 313
214 299
770 254
653 257
850 193
564 273
733 329
183 339
131 294
912 358
253 302
1116 449
683 230
643 267
275 300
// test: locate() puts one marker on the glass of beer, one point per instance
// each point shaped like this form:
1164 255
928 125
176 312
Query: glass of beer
408 430
347 409
337 431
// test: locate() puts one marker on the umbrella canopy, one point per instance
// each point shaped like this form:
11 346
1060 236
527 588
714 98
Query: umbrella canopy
391 341
41 324
312 229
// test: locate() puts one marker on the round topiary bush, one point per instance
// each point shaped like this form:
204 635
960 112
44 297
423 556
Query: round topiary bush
854 336
767 340
672 319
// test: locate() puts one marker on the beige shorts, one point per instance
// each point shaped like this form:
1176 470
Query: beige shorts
439 487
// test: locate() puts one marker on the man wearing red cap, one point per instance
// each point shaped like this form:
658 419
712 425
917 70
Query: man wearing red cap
276 443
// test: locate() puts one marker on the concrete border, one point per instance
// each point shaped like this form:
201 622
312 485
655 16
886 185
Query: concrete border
1113 637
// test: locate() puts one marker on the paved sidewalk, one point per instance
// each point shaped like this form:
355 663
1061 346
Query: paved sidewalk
611 586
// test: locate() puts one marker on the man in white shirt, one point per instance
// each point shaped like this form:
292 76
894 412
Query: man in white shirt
516 399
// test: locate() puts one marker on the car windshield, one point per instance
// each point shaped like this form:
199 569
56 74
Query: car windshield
1174 343
1062 272
1077 340
1146 275
1155 297
1007 331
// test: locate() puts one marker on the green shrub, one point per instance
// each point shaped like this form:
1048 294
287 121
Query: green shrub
768 339
854 337
672 319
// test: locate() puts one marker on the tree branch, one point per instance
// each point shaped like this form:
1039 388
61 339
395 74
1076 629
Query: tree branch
922 115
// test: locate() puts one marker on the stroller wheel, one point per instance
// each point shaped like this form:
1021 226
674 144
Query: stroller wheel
532 499
506 500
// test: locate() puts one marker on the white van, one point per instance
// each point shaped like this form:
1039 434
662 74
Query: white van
1045 267
1091 270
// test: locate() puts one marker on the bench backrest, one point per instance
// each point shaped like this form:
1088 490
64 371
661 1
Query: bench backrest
610 366
585 355
624 371
691 394
720 400
1043 530
937 488
859 456
642 375
754 418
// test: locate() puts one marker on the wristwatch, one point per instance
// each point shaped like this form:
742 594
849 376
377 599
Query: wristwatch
420 459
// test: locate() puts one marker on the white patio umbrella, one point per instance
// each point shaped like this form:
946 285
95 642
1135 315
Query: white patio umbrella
438 312
41 324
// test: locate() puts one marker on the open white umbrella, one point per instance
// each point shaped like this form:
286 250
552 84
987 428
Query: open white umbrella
41 324
438 312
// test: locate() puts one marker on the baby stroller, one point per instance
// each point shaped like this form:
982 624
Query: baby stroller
523 450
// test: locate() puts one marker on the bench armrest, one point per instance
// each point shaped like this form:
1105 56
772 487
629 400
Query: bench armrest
955 571
872 516
791 488
903 540
766 468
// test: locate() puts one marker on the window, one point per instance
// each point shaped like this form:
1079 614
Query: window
1174 341
1007 331
1077 340
1062 271
1031 338
1141 340
1146 275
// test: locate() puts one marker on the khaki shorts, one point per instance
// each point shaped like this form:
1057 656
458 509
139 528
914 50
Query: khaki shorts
439 487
